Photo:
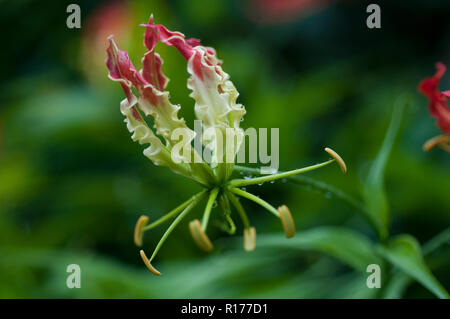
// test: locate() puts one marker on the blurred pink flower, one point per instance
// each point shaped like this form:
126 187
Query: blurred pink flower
110 18
437 106
280 11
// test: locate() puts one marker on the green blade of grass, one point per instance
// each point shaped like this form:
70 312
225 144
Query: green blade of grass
374 193
344 244
405 253
400 281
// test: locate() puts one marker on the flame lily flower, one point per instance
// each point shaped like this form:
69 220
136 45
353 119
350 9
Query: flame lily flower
437 107
215 105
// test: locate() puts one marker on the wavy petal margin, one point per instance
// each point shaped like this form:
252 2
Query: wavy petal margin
151 100
214 94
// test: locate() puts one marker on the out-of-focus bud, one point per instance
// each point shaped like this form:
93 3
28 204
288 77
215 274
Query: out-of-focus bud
114 17
282 11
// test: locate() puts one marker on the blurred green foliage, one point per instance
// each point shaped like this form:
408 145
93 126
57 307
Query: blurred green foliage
72 183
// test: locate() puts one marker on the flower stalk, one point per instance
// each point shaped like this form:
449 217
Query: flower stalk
212 198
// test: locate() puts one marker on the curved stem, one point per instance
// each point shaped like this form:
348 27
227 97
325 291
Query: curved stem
239 208
172 226
268 178
232 227
255 199
224 204
226 212
209 204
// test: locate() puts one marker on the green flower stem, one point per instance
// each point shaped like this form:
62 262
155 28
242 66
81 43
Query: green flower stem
173 212
209 204
180 217
237 204
255 199
224 204
227 226
322 187
268 178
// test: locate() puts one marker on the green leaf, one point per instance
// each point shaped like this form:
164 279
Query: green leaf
437 241
100 276
343 244
397 285
374 193
400 281
405 253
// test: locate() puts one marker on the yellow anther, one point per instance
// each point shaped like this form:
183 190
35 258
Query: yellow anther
148 264
138 234
338 159
287 221
249 238
200 238
440 140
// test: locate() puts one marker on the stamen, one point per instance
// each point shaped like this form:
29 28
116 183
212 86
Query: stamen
229 227
199 236
224 204
138 233
169 215
262 179
445 147
436 141
287 221
338 159
196 199
239 208
209 205
249 238
148 264
255 199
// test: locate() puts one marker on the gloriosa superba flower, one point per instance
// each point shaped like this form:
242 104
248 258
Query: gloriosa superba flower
438 108
215 105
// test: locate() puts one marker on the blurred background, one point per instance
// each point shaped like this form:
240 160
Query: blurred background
72 183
